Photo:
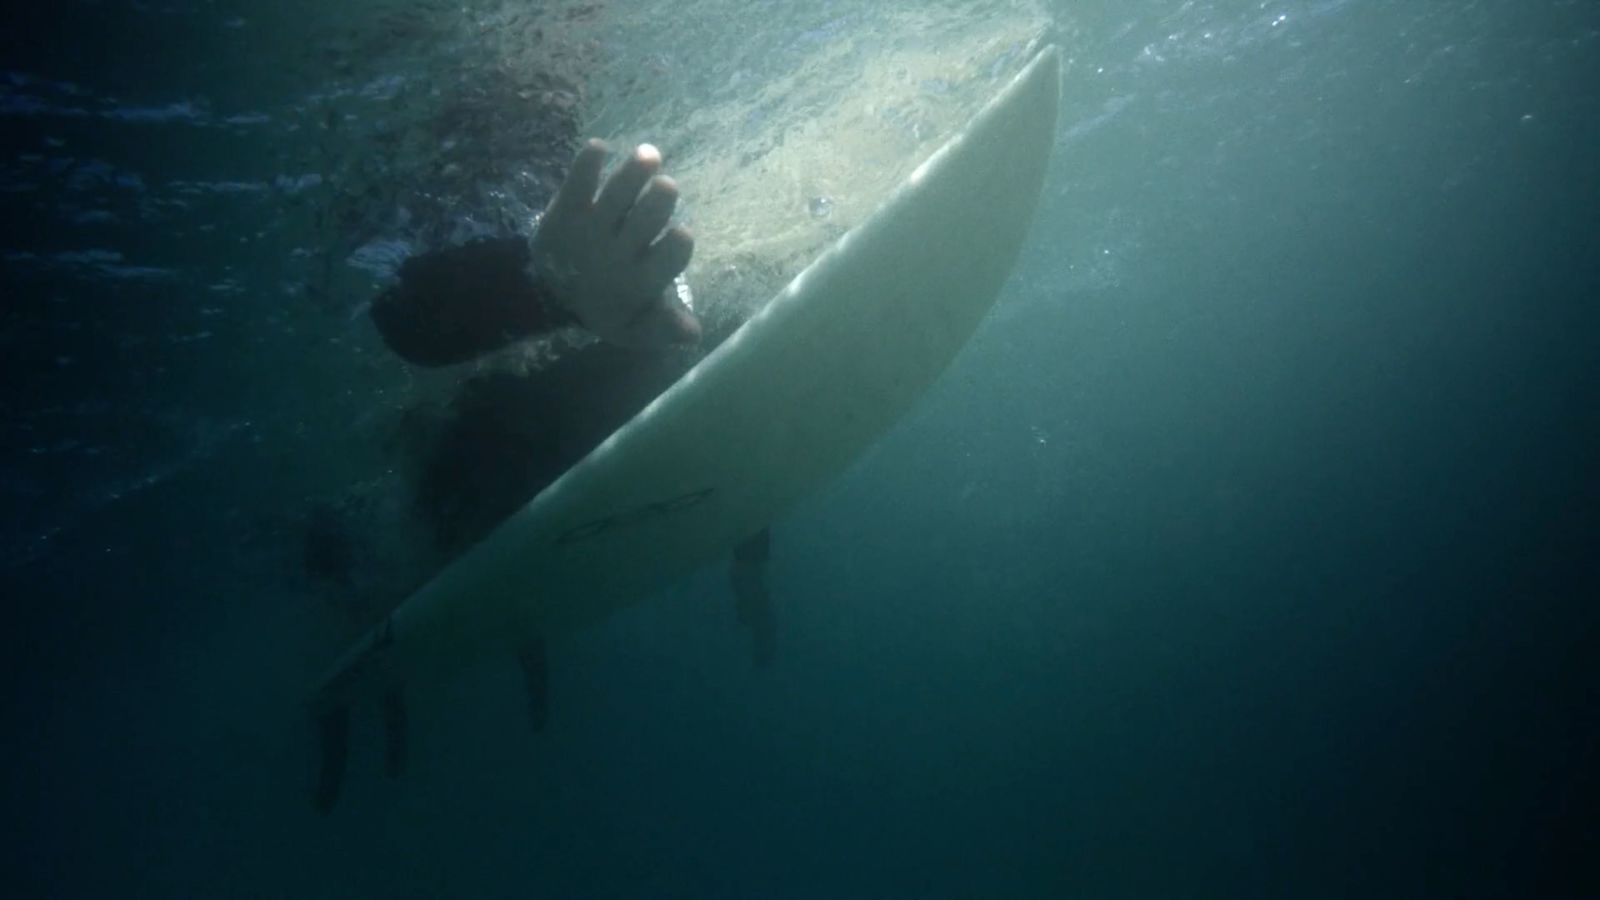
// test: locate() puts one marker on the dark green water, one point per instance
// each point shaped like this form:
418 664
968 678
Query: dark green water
1249 549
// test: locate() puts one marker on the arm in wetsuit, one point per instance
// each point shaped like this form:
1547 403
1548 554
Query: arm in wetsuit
606 254
453 305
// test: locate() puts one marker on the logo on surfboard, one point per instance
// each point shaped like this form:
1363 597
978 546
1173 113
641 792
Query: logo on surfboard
626 518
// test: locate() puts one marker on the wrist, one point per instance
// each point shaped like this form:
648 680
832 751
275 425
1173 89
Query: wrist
544 300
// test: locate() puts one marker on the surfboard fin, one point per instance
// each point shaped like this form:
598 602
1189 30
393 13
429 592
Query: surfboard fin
394 733
333 735
536 679
755 613
752 600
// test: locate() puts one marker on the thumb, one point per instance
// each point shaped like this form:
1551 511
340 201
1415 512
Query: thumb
665 324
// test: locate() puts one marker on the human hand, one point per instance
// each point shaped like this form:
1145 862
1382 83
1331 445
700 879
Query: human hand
608 258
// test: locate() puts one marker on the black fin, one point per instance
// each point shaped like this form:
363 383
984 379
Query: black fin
536 678
752 600
755 613
333 735
757 548
394 732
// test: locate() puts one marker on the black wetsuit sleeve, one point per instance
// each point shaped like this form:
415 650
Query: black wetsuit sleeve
452 305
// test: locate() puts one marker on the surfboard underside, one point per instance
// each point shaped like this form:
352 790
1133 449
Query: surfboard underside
787 403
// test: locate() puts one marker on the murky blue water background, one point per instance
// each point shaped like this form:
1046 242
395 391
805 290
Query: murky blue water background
1248 550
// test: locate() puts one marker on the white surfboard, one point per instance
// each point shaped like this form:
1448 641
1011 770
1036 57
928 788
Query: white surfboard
786 403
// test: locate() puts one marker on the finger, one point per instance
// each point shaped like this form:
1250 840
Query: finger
668 257
624 185
583 179
650 214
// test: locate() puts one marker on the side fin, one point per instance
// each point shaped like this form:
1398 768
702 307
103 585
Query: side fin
394 732
752 599
333 735
535 665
